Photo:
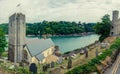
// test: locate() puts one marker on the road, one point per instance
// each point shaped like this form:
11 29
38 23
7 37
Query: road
115 69
118 69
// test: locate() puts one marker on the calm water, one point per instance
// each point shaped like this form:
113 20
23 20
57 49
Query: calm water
70 43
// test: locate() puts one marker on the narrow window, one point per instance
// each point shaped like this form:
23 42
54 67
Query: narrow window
112 27
112 33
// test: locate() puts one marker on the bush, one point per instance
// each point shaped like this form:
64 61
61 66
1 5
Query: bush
22 70
95 61
116 44
4 54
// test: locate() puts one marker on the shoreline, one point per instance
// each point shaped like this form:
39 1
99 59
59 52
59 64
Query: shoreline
81 34
49 35
78 50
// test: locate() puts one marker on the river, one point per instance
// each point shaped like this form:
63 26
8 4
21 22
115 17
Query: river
69 43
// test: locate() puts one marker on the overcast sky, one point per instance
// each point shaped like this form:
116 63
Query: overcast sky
58 10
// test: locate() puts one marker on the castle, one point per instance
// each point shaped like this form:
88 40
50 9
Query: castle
22 49
115 24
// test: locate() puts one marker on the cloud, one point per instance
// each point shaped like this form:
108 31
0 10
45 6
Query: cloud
57 10
59 3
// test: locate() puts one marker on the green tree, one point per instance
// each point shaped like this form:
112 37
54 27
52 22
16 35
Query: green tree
103 28
4 27
54 28
3 42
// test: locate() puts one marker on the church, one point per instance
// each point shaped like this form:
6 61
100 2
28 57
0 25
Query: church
115 24
22 49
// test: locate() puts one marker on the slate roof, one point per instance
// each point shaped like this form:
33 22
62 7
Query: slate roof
36 46
40 56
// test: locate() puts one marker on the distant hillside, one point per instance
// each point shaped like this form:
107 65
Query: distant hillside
54 28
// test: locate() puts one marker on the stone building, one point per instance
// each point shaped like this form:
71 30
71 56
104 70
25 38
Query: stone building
17 35
22 49
115 25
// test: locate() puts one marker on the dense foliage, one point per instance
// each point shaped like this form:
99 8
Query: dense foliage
3 42
4 27
90 66
103 28
55 28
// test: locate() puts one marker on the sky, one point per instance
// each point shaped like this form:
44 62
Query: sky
58 10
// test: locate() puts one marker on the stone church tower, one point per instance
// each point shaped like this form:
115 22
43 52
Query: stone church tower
17 34
115 25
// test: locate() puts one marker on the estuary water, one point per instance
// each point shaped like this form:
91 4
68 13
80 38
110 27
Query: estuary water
69 43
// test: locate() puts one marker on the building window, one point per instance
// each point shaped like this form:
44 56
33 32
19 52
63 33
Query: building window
112 27
112 33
